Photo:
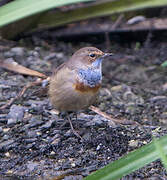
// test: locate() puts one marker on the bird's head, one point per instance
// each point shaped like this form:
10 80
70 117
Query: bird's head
89 57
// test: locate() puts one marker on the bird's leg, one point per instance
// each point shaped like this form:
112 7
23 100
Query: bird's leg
76 118
67 116
63 115
72 128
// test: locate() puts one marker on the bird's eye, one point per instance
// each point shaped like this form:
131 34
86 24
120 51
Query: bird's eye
92 55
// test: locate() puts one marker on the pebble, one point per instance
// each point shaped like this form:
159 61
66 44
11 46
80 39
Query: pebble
16 114
1 130
5 144
33 53
32 165
158 98
53 56
36 105
32 134
34 122
97 120
31 140
12 121
18 51
48 124
8 54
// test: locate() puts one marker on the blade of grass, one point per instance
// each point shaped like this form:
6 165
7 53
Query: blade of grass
130 162
52 19
164 64
20 9
161 152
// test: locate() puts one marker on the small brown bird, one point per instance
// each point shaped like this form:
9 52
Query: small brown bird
75 84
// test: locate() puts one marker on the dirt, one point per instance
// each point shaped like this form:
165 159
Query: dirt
34 143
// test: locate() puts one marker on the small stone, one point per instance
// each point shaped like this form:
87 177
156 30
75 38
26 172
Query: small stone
133 143
52 153
97 120
8 54
31 165
98 147
39 133
16 114
55 141
31 134
6 130
158 98
136 20
31 140
37 49
48 124
54 112
9 172
1 130
53 56
5 137
116 88
73 164
12 121
18 51
7 154
5 144
34 122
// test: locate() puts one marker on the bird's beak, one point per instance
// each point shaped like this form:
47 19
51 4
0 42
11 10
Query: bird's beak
107 54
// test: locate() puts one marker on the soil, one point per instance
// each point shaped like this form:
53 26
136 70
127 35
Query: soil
35 143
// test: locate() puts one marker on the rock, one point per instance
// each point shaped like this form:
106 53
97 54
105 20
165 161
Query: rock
33 53
8 54
5 144
158 98
16 114
53 56
12 121
30 140
32 134
97 120
31 166
18 51
34 122
1 130
37 106
48 125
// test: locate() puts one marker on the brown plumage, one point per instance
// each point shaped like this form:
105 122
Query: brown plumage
68 91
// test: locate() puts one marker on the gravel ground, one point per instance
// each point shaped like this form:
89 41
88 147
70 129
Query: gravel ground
34 144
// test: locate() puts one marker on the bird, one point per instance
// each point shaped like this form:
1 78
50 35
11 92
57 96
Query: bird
75 84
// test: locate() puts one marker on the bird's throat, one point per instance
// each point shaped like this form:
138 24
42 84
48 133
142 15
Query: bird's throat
90 77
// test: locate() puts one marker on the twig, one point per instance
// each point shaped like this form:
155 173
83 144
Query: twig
15 67
117 22
112 120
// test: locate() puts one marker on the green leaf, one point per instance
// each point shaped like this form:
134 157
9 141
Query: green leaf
20 9
36 17
161 152
102 9
164 64
130 162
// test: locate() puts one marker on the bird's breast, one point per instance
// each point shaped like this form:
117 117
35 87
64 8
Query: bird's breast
83 88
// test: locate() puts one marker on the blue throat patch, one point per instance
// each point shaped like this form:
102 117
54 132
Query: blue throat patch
91 76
